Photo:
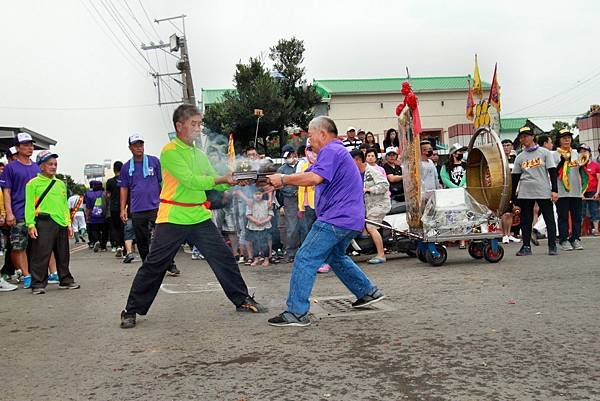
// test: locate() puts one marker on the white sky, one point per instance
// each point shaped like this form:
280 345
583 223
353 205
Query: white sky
63 75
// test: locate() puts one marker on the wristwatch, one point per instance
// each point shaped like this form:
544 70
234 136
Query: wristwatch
281 178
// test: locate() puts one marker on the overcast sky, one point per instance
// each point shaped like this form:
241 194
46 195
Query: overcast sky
63 74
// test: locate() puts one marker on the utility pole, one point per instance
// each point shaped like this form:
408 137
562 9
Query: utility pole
176 43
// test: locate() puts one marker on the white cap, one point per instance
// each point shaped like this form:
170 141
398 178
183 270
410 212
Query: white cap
136 138
351 129
23 137
456 147
391 149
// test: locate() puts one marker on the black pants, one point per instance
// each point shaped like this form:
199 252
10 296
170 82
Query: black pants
117 230
51 238
98 232
143 224
8 267
165 244
527 220
565 207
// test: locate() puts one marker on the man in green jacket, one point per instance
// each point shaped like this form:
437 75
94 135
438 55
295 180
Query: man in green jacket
48 222
184 215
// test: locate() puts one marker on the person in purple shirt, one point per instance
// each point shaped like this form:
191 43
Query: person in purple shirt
340 217
141 180
14 178
96 206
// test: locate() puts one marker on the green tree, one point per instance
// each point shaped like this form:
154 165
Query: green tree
288 56
283 95
72 186
256 89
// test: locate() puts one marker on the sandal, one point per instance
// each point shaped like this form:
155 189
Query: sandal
376 261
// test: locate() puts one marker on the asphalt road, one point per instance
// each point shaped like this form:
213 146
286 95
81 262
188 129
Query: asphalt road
522 329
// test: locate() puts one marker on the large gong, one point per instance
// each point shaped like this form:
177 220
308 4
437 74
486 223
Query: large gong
488 173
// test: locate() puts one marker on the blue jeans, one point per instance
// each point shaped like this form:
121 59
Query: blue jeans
590 208
325 243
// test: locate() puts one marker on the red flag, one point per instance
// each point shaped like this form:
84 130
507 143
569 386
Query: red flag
494 99
470 103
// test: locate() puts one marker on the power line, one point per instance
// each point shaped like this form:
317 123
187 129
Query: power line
580 83
149 20
132 60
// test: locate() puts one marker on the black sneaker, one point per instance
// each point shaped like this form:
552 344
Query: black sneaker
290 319
552 251
127 320
250 305
369 299
173 271
68 286
38 291
128 258
524 251
534 239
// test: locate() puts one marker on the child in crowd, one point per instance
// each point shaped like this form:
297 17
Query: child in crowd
259 214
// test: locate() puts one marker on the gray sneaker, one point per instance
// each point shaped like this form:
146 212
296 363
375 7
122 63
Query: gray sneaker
577 245
369 299
566 246
290 319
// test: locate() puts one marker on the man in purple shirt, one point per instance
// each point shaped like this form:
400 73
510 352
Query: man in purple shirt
14 178
340 217
141 180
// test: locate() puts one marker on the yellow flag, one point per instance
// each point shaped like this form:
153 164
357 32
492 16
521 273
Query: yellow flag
477 89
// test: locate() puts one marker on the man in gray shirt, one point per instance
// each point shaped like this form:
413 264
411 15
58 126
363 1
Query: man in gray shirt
534 173
569 191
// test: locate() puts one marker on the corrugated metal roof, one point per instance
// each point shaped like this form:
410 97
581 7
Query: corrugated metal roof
377 85
211 96
512 124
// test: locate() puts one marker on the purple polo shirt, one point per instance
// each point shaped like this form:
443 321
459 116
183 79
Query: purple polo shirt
339 198
15 176
144 192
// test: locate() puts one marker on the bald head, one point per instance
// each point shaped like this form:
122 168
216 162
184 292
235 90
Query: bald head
321 131
322 123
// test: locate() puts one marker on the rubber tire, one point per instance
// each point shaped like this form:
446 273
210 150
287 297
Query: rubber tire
492 257
440 260
411 253
422 256
476 250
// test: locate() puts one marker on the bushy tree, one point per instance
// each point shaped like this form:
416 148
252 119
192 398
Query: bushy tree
283 95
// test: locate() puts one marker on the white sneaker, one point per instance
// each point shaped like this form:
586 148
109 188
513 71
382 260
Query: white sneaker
513 239
505 239
6 286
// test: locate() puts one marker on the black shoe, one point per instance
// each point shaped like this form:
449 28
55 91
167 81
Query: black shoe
127 320
250 305
552 251
173 271
524 251
96 247
369 299
68 286
290 319
128 258
534 239
38 291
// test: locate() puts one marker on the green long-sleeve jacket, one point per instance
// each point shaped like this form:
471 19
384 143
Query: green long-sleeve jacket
54 204
187 174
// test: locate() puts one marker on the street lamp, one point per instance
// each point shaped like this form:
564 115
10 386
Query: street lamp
257 113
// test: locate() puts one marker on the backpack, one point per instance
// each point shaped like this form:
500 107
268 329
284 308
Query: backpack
99 209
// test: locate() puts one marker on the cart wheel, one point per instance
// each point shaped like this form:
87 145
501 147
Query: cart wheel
476 250
491 256
441 259
421 255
